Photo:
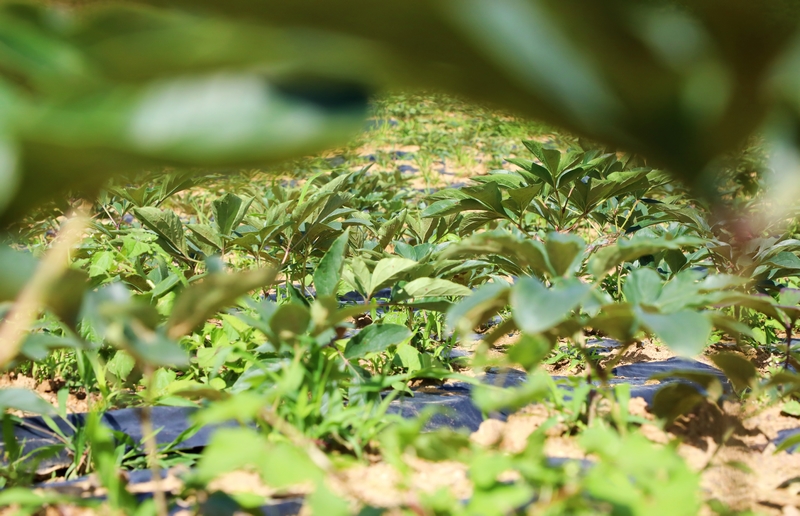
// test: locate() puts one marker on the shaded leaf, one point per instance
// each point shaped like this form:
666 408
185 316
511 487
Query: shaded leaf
329 270
289 321
738 369
477 308
228 211
675 399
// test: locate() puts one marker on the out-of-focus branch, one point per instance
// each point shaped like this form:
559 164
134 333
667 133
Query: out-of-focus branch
30 300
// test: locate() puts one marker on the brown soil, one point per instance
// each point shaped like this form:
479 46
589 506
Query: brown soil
732 446
77 401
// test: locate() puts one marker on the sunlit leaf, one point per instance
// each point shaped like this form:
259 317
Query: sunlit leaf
203 299
537 308
374 339
166 224
434 287
387 270
686 332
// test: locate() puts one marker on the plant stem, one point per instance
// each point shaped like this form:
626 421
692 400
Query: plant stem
150 445
788 357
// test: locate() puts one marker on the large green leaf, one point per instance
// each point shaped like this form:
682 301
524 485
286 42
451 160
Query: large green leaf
155 348
374 339
329 270
537 308
206 235
434 287
478 308
289 321
228 211
626 250
564 252
166 224
642 287
123 87
488 194
740 371
686 332
386 271
525 252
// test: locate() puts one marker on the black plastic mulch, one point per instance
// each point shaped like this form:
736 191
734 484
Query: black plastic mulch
456 411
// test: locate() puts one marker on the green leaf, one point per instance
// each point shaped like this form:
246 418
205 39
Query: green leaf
228 211
386 271
231 449
642 287
791 408
789 297
526 253
478 308
788 443
206 234
24 400
628 250
675 399
537 171
524 196
565 252
329 270
324 501
121 365
686 332
374 339
570 176
529 351
104 461
166 224
443 208
16 267
289 321
536 308
785 260
488 194
296 466
165 285
618 321
203 299
551 159
101 263
409 357
357 275
738 369
434 287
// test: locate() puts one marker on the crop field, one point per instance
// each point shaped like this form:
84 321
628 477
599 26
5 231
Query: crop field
347 258
459 312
